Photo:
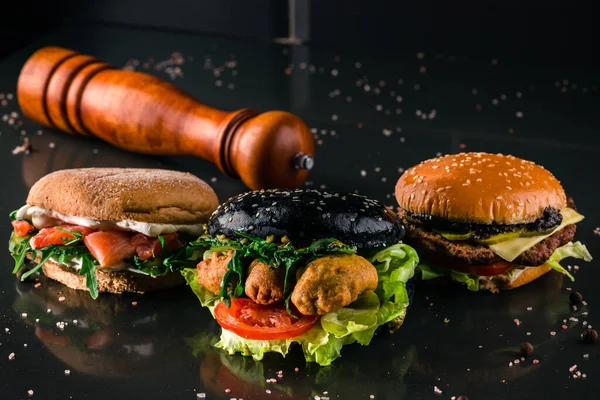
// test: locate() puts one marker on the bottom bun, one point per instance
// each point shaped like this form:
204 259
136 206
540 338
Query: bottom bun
113 281
502 282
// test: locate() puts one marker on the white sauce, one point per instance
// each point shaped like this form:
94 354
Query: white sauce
43 218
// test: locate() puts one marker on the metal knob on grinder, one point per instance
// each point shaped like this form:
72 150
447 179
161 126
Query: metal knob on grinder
138 112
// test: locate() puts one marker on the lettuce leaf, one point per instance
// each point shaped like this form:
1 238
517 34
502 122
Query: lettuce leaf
356 322
207 298
575 250
432 272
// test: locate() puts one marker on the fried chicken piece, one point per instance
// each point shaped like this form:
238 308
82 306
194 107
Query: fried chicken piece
332 282
212 270
264 285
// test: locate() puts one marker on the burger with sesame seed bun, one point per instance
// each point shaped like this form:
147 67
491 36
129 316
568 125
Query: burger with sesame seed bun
488 221
303 267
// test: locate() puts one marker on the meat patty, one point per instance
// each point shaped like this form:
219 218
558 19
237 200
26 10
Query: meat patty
332 282
212 270
264 285
424 241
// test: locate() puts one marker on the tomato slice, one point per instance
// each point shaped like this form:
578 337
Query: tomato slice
22 227
254 321
497 268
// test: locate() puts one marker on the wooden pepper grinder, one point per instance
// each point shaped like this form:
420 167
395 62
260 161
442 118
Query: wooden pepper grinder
138 112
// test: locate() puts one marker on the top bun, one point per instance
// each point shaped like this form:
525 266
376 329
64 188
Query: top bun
115 194
307 215
480 188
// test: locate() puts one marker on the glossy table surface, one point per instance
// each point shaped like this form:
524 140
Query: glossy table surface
372 115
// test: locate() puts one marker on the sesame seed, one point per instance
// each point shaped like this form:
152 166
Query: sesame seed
448 187
499 198
440 190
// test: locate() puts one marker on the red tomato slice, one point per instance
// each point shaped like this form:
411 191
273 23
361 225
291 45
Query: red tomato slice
22 227
497 268
53 236
254 321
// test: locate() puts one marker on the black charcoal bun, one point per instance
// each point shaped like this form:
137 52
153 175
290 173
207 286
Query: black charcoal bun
307 215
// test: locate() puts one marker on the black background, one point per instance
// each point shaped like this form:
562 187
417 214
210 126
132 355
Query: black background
556 31
502 77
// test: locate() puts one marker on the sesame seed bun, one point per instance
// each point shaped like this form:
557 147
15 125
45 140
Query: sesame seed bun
528 275
135 194
112 281
480 188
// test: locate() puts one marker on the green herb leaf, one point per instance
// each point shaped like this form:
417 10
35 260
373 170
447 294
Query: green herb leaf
78 236
19 247
13 215
46 254
88 268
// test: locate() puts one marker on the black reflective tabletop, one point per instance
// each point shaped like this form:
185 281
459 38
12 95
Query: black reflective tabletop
372 114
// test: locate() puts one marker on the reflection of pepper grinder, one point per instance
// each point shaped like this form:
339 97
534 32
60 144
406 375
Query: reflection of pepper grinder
138 112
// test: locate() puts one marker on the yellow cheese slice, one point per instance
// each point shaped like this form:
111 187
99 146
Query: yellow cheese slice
513 248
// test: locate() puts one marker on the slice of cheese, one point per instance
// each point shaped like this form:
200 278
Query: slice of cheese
513 248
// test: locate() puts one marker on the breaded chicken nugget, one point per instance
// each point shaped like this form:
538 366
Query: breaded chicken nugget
212 270
264 285
332 282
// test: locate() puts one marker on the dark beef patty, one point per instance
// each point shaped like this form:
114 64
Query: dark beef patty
424 241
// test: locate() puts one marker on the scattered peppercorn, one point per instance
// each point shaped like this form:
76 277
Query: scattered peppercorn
590 336
526 349
575 298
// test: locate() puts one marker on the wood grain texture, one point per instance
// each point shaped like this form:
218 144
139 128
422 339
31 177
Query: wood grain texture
138 112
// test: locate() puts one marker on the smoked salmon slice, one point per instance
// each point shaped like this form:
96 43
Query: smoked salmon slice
147 247
53 236
110 247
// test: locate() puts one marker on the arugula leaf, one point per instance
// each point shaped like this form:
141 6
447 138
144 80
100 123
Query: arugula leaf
234 266
46 254
13 215
162 245
19 247
88 268
78 236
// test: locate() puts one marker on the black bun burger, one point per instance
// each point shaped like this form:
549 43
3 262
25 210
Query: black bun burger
489 221
318 269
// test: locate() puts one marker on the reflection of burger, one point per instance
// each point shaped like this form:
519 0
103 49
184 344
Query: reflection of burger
488 221
108 336
110 229
302 267
480 355
226 377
